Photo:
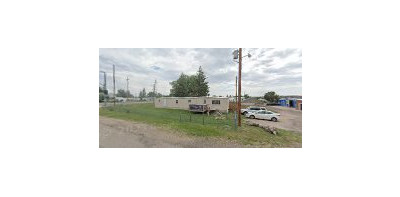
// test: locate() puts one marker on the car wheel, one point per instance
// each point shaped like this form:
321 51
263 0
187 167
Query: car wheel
274 119
244 113
252 117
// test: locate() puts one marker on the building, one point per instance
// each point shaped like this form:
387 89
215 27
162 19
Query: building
289 102
292 102
214 103
299 104
282 102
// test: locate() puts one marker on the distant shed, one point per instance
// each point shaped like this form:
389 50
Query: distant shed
292 102
299 104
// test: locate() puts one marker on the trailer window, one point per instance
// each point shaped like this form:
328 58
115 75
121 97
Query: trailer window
176 101
204 101
189 101
216 102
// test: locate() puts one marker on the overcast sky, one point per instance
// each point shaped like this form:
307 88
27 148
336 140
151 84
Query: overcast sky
268 69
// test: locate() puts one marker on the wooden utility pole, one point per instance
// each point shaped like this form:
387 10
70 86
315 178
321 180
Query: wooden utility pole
240 88
236 103
114 82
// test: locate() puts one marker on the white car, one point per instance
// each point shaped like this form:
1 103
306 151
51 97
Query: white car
267 115
252 109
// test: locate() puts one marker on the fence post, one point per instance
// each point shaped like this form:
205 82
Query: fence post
227 117
235 121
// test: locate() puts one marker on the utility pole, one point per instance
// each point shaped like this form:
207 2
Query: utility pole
236 103
127 88
240 88
154 90
114 82
105 87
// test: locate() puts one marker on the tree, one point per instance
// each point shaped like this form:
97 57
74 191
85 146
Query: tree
123 93
180 87
193 85
272 97
200 84
103 94
152 94
246 96
101 97
142 94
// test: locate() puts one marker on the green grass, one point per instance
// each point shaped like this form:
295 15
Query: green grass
192 124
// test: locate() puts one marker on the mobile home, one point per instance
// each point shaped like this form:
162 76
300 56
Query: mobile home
214 103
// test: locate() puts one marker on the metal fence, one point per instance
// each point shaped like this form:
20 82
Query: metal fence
224 119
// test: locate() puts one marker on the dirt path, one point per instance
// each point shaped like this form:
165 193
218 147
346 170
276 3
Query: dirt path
116 133
291 119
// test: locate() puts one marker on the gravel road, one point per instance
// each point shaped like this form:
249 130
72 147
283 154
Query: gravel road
116 133
291 119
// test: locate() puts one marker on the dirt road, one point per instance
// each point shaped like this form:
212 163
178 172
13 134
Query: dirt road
291 119
116 133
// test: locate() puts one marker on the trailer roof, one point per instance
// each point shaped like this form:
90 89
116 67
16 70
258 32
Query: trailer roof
196 97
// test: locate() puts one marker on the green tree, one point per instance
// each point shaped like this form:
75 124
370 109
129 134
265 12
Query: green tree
180 87
271 97
101 97
142 94
201 87
152 94
121 93
246 96
101 90
193 85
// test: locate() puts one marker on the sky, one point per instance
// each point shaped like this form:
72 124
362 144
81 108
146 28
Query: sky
268 69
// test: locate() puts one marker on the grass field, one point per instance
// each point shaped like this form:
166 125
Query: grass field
192 124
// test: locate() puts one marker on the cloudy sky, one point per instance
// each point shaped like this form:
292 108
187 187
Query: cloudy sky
268 69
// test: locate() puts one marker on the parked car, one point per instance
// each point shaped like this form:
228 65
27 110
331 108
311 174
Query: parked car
263 114
251 109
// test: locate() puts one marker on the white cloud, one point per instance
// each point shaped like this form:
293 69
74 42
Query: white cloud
277 70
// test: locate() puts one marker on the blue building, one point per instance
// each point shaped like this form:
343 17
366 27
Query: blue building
292 102
282 102
289 102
